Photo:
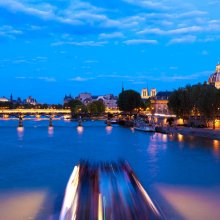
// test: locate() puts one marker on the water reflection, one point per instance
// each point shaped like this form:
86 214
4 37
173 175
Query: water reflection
80 129
19 205
20 131
180 137
50 131
108 129
182 200
153 147
216 148
164 138
132 129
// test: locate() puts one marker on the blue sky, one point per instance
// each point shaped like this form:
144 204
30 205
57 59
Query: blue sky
55 47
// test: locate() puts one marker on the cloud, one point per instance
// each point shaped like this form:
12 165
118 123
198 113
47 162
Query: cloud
140 41
192 13
184 39
113 76
44 78
184 30
20 61
16 6
148 4
82 43
9 31
47 79
20 77
111 35
91 61
80 79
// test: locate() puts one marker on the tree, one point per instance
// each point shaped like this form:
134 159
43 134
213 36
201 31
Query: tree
76 106
100 106
209 103
92 108
196 100
128 100
96 107
180 102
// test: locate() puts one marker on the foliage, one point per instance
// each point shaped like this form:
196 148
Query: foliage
96 107
129 100
76 106
180 102
196 100
7 105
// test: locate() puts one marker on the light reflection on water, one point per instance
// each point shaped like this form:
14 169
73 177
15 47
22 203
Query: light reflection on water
50 131
21 205
216 148
80 130
180 137
173 165
108 129
20 131
190 203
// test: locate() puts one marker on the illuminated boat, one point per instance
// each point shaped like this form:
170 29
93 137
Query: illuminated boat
145 128
112 121
106 191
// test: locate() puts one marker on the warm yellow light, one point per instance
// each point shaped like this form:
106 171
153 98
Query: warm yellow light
50 131
108 129
80 129
20 131
180 137
100 214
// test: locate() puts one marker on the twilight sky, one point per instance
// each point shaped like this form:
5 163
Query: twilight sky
49 48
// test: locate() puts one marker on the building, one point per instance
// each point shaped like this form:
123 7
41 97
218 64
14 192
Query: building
146 95
214 79
67 99
153 92
109 100
31 101
3 99
159 103
85 98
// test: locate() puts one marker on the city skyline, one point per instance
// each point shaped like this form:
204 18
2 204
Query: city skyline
52 49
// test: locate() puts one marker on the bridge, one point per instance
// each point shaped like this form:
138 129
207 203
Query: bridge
9 112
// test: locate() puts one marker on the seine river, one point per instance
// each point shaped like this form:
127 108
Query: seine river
181 174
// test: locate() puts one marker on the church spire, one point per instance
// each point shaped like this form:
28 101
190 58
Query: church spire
122 88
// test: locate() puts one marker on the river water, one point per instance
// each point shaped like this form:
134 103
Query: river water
181 174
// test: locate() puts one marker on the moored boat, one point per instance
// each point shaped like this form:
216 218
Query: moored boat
145 128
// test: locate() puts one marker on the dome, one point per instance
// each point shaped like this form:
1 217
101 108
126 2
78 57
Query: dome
215 77
3 99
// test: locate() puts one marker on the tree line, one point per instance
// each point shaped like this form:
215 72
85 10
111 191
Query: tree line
196 100
78 108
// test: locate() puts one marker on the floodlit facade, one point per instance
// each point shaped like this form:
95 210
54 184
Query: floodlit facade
214 79
160 103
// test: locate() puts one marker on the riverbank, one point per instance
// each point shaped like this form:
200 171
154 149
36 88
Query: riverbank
198 132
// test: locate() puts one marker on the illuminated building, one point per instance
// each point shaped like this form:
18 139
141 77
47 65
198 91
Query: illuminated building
31 101
159 103
85 97
153 92
146 95
214 79
3 99
109 100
